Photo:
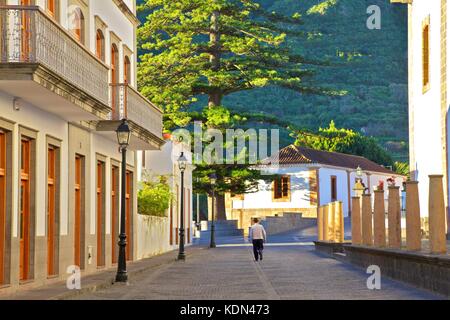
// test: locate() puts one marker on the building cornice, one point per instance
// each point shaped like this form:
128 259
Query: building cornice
320 166
402 1
127 12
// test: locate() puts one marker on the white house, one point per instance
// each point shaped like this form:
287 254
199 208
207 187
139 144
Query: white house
428 48
157 235
67 78
307 179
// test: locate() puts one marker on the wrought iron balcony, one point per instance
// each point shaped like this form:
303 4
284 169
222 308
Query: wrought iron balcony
33 41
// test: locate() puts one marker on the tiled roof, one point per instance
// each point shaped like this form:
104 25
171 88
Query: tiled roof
302 155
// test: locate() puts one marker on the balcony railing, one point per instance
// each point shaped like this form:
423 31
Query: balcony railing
129 104
28 35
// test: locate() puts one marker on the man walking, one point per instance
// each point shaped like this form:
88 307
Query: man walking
258 236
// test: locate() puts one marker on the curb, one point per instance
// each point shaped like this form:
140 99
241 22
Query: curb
110 281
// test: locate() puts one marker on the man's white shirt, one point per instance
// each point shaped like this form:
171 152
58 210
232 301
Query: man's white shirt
257 232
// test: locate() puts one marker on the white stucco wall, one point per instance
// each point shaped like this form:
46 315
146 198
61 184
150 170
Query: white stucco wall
325 175
426 144
45 124
152 236
48 124
263 198
118 23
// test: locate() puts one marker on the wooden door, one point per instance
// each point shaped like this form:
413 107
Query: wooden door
51 215
25 210
114 213
129 210
78 209
26 31
100 225
2 204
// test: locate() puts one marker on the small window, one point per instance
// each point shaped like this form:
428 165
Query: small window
426 54
281 188
333 188
100 45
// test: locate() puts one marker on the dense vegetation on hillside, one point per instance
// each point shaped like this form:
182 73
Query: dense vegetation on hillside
374 73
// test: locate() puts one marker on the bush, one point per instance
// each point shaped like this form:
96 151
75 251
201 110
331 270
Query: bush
154 197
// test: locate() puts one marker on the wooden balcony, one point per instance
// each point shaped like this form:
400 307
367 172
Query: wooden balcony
43 64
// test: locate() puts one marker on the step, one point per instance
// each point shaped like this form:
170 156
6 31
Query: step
224 234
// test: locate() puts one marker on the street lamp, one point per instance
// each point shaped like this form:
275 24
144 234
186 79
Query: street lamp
123 138
359 188
182 164
359 172
213 180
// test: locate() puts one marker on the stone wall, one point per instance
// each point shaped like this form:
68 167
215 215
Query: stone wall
152 236
244 217
287 222
419 269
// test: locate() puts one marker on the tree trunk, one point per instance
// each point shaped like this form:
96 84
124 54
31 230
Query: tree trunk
219 208
215 98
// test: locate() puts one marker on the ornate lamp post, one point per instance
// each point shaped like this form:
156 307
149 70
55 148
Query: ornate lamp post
182 164
123 138
213 180
359 172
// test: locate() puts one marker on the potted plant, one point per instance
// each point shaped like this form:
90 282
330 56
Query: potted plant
391 181
380 186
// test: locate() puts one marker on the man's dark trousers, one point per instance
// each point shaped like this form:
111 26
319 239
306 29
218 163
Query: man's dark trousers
258 247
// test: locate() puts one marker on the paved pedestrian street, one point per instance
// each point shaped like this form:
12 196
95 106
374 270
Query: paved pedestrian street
291 269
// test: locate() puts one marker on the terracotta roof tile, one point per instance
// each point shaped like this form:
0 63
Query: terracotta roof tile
303 155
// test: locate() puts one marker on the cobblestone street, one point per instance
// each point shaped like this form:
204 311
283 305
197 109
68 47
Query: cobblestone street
291 270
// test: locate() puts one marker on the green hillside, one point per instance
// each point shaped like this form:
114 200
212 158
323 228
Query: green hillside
374 73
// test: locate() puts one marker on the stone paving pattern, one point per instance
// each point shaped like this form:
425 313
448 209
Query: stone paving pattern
291 269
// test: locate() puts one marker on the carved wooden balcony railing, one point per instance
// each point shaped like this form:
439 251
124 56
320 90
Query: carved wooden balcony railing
127 103
28 35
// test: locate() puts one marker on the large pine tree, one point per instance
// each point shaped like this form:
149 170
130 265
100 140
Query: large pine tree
197 49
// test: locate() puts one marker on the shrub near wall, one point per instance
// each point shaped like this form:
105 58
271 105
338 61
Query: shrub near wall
154 197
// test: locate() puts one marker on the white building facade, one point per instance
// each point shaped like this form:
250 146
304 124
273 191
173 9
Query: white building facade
305 180
428 49
67 78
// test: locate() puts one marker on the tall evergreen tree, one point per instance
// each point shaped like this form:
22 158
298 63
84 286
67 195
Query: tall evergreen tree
212 48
